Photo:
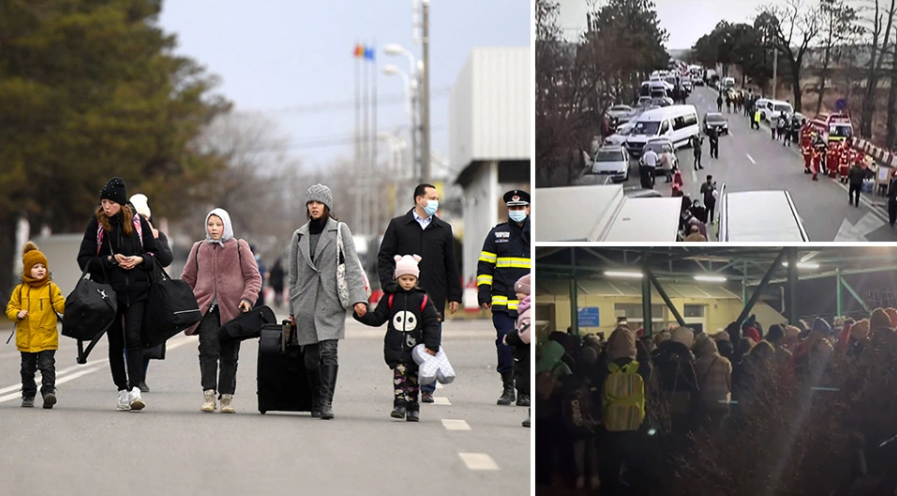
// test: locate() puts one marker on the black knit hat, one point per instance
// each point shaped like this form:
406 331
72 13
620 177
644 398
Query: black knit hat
115 191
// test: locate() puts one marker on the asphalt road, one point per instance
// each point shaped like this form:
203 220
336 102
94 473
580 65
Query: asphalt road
750 160
464 444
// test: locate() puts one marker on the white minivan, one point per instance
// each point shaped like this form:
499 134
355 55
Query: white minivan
676 122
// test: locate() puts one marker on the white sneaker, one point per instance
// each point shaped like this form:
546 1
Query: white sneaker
226 403
136 401
208 403
124 403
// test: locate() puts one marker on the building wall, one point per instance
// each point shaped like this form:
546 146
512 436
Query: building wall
718 313
480 214
490 107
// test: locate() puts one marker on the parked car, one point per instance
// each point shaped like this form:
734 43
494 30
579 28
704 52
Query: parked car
661 146
643 101
774 108
619 138
662 101
699 82
618 111
717 121
612 161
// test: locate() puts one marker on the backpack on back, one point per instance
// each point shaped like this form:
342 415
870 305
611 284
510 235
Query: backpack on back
623 403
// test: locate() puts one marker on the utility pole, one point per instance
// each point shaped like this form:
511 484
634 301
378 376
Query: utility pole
425 95
775 70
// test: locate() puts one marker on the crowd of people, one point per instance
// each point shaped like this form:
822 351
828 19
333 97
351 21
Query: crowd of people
121 247
745 410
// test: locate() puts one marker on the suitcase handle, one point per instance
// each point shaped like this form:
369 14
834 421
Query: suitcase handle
288 336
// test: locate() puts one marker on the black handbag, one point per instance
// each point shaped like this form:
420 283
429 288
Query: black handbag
170 307
247 326
89 311
155 353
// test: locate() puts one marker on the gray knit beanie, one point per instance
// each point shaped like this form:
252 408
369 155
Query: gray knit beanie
321 194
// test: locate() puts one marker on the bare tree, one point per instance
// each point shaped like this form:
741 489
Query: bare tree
793 27
838 28
877 52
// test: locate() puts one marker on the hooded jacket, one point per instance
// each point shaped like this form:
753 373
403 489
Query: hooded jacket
37 331
223 271
408 324
131 286
714 374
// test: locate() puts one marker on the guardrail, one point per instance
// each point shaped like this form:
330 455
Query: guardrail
883 157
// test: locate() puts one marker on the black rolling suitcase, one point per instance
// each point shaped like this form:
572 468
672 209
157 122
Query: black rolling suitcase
282 378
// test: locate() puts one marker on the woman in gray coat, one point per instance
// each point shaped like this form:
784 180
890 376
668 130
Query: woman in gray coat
315 307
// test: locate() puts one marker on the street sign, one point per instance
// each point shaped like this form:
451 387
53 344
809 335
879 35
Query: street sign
588 317
841 104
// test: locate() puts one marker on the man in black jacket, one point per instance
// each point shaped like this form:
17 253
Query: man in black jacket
420 232
855 178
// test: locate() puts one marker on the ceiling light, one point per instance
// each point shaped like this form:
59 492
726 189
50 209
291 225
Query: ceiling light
709 278
803 265
632 275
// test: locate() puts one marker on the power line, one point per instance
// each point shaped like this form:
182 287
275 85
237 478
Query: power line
394 99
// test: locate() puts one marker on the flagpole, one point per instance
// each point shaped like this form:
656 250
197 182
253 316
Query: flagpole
375 211
366 146
357 124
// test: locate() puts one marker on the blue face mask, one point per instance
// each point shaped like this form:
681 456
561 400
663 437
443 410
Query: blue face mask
432 207
517 216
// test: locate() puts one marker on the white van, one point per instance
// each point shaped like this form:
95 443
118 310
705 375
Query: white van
759 216
676 122
728 82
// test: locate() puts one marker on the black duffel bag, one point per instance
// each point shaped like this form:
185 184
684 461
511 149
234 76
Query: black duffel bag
170 307
247 326
89 311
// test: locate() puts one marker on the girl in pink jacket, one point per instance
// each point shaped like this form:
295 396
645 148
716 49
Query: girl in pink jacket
226 282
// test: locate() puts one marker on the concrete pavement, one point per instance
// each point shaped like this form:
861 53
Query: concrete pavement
751 160
464 444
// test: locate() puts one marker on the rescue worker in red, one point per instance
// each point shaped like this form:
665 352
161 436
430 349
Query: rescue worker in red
817 161
833 158
807 151
844 165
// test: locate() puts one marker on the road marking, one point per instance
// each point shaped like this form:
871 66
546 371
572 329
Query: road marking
848 232
439 386
478 461
439 400
750 158
455 425
63 380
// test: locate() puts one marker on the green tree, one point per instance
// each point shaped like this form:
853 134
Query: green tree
90 89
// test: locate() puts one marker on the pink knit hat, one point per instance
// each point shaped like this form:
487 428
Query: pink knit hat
407 265
522 285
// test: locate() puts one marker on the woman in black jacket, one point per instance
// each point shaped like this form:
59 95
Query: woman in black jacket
121 244
165 257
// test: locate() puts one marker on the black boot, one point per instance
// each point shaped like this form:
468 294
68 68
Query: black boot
526 422
314 383
413 413
507 397
522 398
398 408
328 386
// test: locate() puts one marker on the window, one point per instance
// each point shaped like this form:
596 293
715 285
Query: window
665 128
693 311
684 121
633 311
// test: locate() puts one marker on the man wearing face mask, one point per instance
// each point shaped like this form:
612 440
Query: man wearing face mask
421 232
504 260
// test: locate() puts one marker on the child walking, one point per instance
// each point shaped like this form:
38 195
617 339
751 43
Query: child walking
33 306
412 320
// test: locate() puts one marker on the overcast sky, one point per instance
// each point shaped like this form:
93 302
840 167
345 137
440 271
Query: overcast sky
292 59
684 20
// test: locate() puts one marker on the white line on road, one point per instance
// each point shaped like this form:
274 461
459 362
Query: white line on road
478 461
439 400
439 385
750 158
455 425
65 379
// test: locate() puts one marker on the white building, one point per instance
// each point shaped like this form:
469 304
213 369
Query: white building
490 124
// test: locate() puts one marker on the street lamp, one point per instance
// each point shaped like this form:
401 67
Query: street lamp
392 70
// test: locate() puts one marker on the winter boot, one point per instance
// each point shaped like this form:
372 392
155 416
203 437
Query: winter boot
413 414
507 397
314 383
227 403
528 415
27 401
522 398
208 401
398 408
50 399
328 386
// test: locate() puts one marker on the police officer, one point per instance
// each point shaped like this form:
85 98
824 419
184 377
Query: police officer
505 259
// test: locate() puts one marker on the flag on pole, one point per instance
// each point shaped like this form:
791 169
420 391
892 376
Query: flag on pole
369 53
359 51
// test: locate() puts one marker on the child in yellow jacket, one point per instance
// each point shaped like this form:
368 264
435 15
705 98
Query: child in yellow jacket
34 305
